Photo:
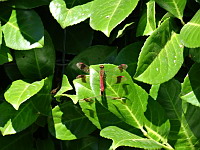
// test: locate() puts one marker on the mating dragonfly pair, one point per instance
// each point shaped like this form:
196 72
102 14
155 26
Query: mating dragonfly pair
102 77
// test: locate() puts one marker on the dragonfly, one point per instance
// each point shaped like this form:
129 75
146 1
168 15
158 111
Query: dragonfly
85 68
102 78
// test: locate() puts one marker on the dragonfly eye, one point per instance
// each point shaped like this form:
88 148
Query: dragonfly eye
101 66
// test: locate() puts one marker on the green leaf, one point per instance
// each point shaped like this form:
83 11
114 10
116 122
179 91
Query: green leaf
100 116
28 4
78 38
147 22
12 71
154 91
191 86
35 64
194 53
69 123
5 55
42 100
129 55
13 121
24 30
107 14
45 144
64 88
192 117
131 106
122 137
157 123
176 7
0 34
153 65
67 17
21 141
180 132
20 91
85 143
105 54
190 33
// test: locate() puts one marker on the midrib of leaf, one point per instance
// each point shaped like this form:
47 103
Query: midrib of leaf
180 120
176 7
22 93
118 143
194 24
37 63
156 134
13 141
110 17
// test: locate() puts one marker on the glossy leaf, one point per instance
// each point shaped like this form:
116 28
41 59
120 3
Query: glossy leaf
5 55
69 123
20 91
0 34
67 17
74 3
42 100
157 123
21 141
121 137
12 71
78 38
19 34
147 23
154 91
191 86
105 54
27 4
180 131
64 87
131 109
107 14
124 29
100 116
129 55
87 143
153 65
16 120
176 7
194 53
190 33
35 64
192 117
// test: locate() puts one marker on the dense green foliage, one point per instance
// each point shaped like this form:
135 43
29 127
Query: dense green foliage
152 104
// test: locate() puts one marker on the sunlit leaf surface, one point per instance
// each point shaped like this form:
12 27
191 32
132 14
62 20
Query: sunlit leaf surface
161 56
20 91
107 14
190 33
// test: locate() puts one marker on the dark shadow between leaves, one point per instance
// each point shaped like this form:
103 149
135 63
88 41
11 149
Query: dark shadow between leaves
5 13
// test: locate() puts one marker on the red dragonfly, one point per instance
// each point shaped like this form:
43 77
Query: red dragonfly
84 67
